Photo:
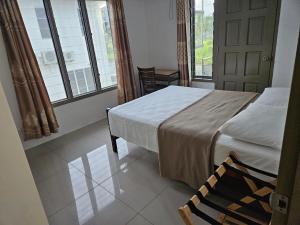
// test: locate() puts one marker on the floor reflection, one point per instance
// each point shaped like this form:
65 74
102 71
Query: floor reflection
88 205
99 164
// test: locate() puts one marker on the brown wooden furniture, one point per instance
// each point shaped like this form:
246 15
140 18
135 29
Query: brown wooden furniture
148 81
246 205
165 75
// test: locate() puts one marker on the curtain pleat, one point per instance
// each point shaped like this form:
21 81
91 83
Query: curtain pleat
182 42
127 89
35 107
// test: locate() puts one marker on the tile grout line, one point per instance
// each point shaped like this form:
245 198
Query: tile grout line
132 219
73 201
153 199
145 218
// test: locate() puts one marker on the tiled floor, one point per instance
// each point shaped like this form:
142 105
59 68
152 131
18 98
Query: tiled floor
81 181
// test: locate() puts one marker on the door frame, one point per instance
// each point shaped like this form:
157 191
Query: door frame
289 169
273 54
217 33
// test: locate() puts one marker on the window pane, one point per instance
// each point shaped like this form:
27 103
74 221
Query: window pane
73 42
102 39
204 10
33 14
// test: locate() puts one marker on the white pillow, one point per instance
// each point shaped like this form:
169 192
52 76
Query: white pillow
275 96
258 124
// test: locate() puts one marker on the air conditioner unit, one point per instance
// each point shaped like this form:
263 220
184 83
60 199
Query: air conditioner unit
69 56
49 57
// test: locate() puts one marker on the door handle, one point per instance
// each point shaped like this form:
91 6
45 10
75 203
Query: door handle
267 58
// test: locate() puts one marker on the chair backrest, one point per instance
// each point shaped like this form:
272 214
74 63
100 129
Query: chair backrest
147 78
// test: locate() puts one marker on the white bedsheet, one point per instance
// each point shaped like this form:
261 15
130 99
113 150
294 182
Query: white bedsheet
258 156
137 121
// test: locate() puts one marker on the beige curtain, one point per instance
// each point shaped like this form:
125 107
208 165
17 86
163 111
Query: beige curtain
35 107
182 41
127 90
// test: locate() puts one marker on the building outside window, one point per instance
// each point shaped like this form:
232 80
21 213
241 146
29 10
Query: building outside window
43 23
73 62
202 38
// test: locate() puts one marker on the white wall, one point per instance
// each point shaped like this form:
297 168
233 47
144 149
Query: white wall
20 201
70 117
152 30
137 31
138 34
152 34
287 39
76 115
162 33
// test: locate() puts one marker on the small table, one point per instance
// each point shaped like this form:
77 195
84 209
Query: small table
168 76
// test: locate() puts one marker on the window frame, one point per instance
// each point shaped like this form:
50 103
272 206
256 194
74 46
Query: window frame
60 57
192 46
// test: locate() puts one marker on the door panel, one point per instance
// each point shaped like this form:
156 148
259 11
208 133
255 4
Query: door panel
244 31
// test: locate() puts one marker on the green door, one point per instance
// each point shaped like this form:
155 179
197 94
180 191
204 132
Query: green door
244 41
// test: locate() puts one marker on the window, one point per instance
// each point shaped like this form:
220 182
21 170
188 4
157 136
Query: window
73 45
202 38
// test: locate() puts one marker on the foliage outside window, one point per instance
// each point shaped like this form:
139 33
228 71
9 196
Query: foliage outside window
202 38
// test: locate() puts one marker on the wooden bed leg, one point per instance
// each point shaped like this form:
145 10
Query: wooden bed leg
112 137
114 143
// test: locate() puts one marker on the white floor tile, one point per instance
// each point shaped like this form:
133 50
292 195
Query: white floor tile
61 189
98 207
137 184
164 209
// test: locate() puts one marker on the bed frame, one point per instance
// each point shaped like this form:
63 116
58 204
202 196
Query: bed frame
112 137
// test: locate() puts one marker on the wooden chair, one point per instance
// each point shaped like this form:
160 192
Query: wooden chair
251 208
148 83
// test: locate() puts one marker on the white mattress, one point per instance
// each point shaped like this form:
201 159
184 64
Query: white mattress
258 156
137 121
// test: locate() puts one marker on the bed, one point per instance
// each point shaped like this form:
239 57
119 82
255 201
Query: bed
138 122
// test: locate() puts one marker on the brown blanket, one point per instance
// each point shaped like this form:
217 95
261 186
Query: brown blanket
186 139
